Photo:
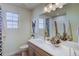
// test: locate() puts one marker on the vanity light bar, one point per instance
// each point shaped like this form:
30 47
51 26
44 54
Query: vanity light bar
53 6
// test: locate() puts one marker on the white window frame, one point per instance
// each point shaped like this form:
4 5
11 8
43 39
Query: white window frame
12 23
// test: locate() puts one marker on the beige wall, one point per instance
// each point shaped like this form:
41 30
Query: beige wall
16 37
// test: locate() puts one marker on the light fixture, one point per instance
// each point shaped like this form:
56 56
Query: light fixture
53 6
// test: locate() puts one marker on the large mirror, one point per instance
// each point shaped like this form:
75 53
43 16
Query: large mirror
64 21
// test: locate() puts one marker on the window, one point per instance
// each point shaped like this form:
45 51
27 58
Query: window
12 20
41 23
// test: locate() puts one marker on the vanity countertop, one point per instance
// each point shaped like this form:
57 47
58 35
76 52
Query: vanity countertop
51 49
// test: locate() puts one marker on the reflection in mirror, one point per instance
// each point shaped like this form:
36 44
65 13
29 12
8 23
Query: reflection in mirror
33 28
39 27
58 26
47 27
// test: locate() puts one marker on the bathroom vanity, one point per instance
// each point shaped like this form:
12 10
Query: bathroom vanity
39 47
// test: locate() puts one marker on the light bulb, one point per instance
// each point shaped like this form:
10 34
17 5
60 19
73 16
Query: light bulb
50 6
45 9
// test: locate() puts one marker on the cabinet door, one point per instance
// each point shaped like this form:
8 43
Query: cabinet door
40 52
31 51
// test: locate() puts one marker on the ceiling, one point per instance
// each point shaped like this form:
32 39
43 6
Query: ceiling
29 6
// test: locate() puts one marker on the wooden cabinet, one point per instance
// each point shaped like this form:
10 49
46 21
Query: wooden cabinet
36 51
21 53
